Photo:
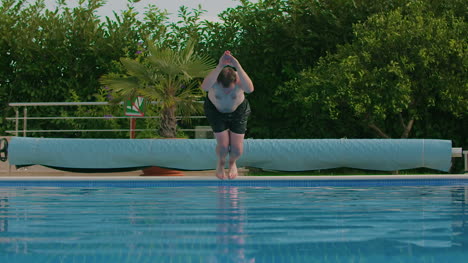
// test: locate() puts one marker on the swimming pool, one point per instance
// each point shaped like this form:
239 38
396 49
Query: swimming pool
234 221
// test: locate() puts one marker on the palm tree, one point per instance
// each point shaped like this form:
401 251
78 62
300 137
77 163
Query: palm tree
167 76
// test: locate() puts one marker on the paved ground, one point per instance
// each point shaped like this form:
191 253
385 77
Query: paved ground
37 172
41 171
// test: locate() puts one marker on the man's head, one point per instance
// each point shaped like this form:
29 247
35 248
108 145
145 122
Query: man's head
227 76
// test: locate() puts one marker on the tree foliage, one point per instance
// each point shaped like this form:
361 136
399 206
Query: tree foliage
310 61
275 40
167 76
48 55
400 66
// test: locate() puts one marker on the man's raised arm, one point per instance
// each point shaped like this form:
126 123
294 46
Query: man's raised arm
244 80
211 79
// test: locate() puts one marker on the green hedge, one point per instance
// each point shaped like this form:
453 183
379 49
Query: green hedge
321 69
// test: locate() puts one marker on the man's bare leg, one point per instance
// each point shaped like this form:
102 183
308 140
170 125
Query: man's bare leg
222 150
236 149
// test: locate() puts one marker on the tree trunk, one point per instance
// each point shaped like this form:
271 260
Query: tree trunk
378 131
168 128
407 128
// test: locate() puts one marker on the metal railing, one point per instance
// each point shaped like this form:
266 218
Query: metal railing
25 118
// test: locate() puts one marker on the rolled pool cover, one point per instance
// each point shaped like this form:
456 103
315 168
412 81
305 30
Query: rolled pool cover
95 155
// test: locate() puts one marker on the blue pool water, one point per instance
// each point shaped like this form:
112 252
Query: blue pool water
232 223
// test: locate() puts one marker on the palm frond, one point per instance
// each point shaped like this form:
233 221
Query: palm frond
199 66
136 69
187 53
121 87
187 99
155 92
159 94
188 106
165 66
164 60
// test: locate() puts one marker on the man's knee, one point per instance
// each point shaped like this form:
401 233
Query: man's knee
222 149
235 150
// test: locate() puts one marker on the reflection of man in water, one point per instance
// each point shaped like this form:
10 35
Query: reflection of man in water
3 214
230 228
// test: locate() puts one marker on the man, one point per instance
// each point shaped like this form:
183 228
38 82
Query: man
227 111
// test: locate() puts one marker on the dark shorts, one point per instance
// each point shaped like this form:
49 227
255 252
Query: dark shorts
235 121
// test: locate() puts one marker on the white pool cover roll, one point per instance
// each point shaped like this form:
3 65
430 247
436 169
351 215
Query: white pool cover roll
199 154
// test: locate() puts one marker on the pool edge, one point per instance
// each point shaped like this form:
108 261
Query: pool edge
240 178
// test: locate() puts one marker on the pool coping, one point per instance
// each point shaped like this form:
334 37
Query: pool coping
40 173
242 178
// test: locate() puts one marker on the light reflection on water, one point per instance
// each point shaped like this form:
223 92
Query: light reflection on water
233 224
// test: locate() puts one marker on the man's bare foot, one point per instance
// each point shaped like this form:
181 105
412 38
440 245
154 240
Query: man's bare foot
232 171
220 171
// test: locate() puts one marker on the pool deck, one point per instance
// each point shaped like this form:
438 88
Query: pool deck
244 178
40 173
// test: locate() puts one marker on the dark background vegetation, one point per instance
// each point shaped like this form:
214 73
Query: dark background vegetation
321 69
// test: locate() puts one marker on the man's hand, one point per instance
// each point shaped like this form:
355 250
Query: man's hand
227 59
